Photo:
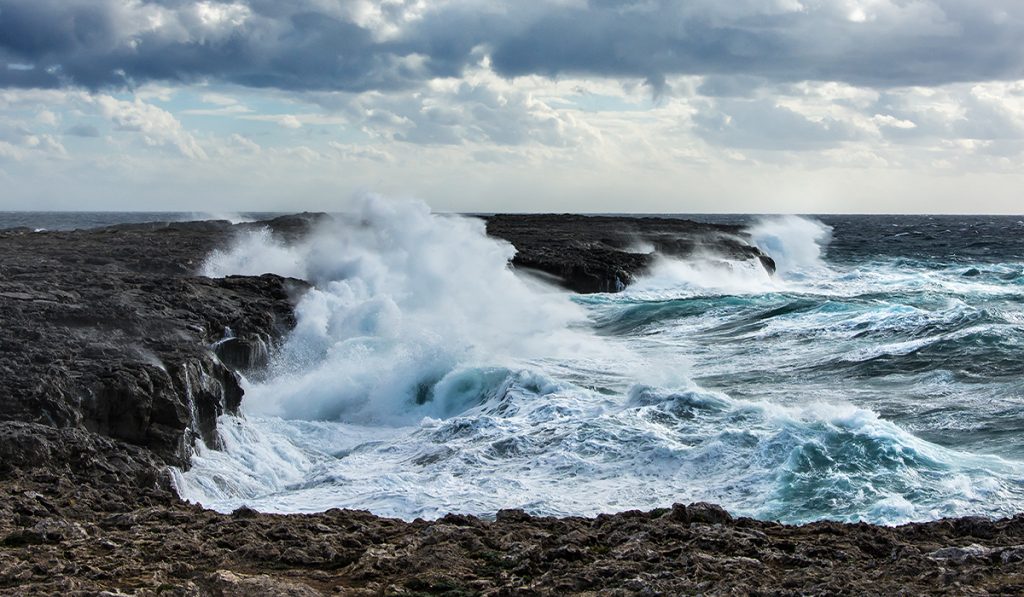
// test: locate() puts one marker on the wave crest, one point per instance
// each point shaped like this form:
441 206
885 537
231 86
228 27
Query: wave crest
401 299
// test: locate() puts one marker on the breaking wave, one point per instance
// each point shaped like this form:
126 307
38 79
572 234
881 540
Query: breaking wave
424 376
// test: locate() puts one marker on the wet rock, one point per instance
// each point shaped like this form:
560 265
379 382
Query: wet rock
605 254
1012 555
110 331
511 516
700 512
243 354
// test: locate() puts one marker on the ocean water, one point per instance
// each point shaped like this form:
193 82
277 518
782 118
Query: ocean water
879 376
84 220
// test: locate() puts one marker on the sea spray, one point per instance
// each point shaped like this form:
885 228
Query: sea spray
797 244
402 300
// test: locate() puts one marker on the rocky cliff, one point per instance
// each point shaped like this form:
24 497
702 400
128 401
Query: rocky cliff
112 331
606 254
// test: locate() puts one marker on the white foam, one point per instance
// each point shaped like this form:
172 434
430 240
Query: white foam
564 450
796 243
232 217
402 300
674 278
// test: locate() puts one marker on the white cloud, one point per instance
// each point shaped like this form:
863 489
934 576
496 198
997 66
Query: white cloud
47 117
296 121
891 121
8 151
157 126
483 142
289 121
246 144
218 99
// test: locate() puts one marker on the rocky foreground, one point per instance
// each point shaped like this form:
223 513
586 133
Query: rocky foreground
115 357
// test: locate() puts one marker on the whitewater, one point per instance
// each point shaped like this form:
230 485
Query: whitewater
876 377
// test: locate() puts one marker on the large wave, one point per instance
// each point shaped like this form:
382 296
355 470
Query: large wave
795 243
424 376
403 304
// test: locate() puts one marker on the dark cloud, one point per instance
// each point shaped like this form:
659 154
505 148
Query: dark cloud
730 86
921 43
100 43
300 45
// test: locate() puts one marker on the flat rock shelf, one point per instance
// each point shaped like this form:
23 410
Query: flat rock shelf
116 357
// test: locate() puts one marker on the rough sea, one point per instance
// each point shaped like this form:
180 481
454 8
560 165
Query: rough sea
879 376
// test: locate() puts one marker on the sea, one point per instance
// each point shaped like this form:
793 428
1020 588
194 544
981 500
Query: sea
878 376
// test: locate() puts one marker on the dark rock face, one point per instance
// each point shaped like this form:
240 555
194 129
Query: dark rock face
79 455
110 331
605 254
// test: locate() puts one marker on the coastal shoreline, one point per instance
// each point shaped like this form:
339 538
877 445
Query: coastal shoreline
117 357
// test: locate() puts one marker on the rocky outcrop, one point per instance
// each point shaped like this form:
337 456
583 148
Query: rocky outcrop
605 254
60 535
112 331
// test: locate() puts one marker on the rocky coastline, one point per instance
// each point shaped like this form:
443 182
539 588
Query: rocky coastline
607 253
116 357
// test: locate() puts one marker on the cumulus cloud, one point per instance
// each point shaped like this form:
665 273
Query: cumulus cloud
149 124
764 124
479 108
17 141
292 44
157 126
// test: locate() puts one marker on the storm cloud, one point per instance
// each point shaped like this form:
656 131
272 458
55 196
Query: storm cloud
360 45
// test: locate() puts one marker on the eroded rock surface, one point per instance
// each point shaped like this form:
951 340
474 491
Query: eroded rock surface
606 254
111 331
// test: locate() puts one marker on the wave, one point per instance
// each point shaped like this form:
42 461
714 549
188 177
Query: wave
424 376
554 449
796 244
402 301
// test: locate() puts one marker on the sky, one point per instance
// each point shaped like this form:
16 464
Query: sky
687 106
